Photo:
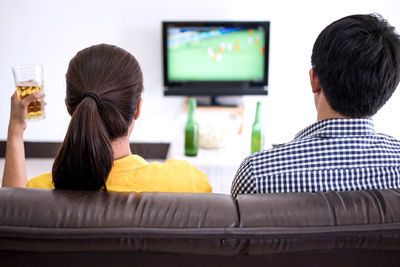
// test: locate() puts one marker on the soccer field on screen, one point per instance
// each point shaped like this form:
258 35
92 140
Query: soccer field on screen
234 56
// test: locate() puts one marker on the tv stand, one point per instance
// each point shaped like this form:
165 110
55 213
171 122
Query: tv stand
216 101
232 105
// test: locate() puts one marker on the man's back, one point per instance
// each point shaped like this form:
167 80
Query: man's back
355 70
332 154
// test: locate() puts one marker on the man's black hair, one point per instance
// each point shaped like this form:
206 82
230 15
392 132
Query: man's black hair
357 61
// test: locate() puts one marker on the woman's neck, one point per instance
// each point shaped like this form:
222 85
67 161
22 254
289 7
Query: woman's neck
121 147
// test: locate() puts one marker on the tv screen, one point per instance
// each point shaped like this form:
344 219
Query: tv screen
215 58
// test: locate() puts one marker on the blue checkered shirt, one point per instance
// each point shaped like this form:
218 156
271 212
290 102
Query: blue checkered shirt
332 154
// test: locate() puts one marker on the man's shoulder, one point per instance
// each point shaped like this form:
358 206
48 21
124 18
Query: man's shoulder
308 144
388 138
281 150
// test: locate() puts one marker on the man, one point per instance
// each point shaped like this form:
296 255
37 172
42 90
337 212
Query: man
355 70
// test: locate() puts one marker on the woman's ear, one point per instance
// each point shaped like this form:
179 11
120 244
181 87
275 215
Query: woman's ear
135 116
138 108
69 111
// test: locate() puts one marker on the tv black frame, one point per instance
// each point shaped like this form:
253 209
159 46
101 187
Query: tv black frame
215 88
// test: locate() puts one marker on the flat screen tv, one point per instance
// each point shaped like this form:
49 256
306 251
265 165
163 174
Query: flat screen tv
215 58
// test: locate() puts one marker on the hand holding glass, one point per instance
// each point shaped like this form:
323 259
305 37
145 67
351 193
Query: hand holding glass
29 80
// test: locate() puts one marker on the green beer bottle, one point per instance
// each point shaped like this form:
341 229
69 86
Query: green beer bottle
191 131
257 132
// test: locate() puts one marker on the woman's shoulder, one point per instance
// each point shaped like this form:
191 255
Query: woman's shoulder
171 175
139 163
180 172
171 166
41 181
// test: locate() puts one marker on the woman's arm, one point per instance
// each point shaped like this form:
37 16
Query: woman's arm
14 167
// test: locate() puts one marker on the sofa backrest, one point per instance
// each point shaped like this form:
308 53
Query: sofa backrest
43 208
369 207
329 226
80 209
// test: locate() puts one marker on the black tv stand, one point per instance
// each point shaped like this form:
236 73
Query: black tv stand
216 101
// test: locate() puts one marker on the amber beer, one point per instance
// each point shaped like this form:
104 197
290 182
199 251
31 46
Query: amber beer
35 108
29 80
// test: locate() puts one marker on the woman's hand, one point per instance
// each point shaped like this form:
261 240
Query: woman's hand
14 166
19 111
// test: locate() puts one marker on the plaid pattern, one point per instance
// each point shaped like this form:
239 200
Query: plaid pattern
333 154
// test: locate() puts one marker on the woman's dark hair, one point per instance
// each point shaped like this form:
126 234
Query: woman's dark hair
357 61
104 85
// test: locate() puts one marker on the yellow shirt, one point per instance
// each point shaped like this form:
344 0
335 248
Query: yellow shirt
133 173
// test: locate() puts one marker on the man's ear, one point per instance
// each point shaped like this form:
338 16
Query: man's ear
314 80
138 109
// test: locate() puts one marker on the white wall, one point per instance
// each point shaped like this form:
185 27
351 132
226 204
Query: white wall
51 32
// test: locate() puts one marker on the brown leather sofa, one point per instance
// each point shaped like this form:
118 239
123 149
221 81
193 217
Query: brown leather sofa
76 228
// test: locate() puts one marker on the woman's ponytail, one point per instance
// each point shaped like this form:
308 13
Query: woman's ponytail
85 157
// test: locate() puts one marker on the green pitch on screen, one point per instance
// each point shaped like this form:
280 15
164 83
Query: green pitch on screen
230 57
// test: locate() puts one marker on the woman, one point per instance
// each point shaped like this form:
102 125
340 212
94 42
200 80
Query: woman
104 86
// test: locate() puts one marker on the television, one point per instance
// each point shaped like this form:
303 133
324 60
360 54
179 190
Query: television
215 58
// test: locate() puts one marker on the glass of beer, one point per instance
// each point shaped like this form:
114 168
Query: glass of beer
29 80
